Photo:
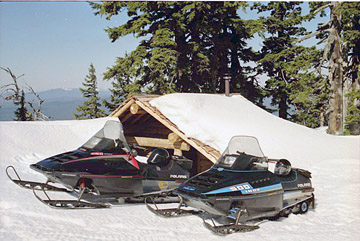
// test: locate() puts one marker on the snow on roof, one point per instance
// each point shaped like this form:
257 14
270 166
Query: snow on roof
214 119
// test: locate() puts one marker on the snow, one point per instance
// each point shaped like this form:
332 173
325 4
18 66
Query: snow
333 161
214 119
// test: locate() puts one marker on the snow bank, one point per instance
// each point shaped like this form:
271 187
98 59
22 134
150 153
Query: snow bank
46 138
214 119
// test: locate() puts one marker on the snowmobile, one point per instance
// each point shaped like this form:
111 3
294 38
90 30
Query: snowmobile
106 170
244 187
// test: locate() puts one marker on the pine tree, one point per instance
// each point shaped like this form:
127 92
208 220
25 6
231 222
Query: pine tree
351 49
91 107
278 54
21 113
122 81
309 94
185 46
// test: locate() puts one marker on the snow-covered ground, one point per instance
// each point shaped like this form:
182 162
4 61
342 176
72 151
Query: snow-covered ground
333 161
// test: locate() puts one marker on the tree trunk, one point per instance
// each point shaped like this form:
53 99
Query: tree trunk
335 76
322 119
283 107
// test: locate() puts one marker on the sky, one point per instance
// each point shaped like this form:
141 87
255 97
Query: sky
53 43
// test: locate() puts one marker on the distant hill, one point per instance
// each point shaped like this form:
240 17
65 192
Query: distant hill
60 104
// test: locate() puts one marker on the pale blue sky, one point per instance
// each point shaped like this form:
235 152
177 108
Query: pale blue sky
53 43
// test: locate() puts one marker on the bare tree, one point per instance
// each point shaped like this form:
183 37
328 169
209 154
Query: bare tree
13 92
10 91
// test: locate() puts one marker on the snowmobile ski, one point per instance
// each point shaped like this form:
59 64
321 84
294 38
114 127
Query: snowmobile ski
69 204
169 212
31 184
229 228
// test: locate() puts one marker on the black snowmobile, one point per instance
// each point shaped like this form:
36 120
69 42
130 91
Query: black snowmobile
105 170
242 187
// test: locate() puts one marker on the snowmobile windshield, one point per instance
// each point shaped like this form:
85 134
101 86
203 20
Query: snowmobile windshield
243 153
110 138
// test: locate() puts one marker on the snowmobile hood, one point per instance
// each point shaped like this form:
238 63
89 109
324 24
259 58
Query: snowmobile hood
219 181
53 163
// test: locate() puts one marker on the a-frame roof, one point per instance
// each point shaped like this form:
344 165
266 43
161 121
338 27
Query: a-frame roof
143 101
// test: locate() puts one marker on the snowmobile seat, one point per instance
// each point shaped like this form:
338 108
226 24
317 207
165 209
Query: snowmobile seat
159 157
183 162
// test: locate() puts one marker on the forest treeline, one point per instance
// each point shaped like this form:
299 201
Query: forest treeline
191 46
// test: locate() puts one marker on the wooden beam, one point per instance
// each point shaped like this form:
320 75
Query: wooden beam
122 109
135 109
158 143
177 152
173 137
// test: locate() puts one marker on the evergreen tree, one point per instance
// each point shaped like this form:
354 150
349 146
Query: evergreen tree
279 57
21 113
123 84
186 47
351 49
91 107
310 92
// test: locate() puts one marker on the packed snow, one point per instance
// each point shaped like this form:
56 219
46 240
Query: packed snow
212 119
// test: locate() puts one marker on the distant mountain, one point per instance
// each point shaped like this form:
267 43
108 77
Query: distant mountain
60 104
69 94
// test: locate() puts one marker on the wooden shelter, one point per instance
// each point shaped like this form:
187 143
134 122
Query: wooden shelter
146 126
